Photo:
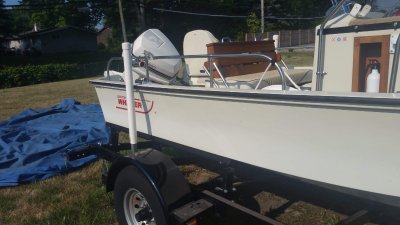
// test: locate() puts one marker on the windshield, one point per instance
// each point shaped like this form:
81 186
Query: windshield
372 8
389 8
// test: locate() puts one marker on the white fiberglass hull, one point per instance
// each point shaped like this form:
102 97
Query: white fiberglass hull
344 140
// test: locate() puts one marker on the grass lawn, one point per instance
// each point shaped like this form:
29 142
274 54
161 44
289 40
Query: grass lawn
74 198
298 58
14 100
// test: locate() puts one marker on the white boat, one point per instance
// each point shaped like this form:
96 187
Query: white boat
325 129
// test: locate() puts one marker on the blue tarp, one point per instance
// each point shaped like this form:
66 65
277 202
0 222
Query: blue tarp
34 143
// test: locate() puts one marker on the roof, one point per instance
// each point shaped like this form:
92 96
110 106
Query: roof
103 29
51 30
11 37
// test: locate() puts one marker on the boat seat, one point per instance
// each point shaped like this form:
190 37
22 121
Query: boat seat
250 81
114 76
195 43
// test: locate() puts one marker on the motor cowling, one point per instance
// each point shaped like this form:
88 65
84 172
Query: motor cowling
161 71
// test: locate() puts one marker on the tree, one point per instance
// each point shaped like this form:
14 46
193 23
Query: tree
296 9
20 21
5 20
110 15
253 23
175 25
307 8
58 13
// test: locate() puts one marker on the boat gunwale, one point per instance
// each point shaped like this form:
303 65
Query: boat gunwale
361 99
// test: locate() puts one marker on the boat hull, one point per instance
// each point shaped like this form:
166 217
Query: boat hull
341 140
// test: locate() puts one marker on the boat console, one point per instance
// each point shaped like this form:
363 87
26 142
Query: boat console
354 38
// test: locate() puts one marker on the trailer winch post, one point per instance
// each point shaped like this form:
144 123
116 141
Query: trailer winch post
130 100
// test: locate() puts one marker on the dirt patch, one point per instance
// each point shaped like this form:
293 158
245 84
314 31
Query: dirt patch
285 210
196 175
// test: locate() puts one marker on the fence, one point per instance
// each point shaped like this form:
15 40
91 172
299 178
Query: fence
287 38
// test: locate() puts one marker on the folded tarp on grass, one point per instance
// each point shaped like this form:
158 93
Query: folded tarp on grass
34 143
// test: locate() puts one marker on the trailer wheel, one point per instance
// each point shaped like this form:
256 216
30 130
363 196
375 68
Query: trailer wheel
135 201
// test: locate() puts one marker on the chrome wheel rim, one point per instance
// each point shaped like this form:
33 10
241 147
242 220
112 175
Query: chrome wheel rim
136 208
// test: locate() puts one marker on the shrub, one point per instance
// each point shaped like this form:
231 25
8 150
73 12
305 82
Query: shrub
34 74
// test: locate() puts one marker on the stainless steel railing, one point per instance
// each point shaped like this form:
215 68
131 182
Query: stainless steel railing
395 66
144 61
211 58
112 59
321 47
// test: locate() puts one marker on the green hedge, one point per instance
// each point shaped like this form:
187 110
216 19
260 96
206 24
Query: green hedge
15 76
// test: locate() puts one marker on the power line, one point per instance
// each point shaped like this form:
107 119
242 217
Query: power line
46 6
197 14
229 16
35 6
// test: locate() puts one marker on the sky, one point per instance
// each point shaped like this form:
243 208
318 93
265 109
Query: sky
11 2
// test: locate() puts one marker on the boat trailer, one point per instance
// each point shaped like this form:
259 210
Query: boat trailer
202 204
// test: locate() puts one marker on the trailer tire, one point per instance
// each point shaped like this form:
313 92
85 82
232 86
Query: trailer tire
135 200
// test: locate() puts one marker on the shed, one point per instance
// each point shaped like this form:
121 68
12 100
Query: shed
104 36
55 40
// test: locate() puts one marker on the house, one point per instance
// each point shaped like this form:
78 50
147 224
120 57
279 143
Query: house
2 45
104 36
56 40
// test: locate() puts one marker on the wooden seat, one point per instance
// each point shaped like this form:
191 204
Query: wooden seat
240 66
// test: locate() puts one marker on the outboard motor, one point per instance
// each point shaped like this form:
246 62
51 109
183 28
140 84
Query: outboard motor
161 71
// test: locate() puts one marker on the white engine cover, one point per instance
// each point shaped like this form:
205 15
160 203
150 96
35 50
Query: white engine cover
163 70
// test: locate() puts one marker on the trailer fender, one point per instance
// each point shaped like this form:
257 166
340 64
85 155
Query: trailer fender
160 171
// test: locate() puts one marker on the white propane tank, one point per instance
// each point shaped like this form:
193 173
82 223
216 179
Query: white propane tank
161 71
373 80
276 39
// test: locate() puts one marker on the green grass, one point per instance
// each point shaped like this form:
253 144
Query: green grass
298 58
74 198
14 100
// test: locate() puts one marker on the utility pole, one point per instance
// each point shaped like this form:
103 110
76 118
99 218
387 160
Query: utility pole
262 16
121 15
141 16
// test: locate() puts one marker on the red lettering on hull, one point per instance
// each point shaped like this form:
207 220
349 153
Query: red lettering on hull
141 106
122 101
